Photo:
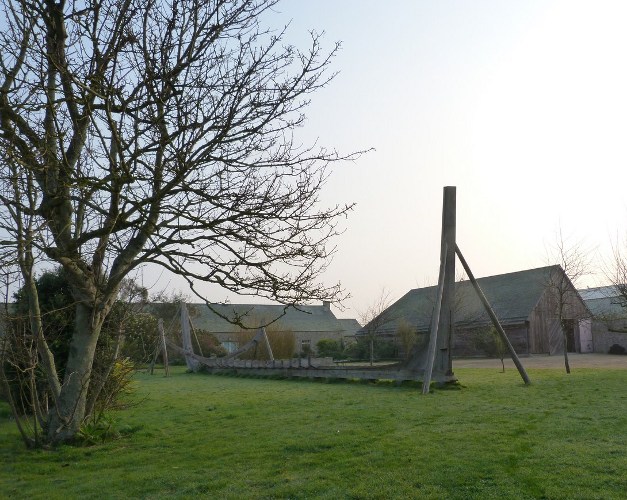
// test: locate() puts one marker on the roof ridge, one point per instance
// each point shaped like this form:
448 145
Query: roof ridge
494 276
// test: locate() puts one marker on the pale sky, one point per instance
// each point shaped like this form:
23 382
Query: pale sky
520 104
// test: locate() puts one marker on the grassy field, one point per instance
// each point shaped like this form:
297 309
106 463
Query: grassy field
196 435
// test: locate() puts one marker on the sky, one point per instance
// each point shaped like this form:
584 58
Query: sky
521 105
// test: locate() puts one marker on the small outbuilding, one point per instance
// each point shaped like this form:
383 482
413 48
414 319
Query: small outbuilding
527 303
609 324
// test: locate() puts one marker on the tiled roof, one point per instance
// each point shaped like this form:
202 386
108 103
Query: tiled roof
350 326
298 319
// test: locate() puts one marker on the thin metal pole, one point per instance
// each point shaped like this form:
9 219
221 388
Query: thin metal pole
493 317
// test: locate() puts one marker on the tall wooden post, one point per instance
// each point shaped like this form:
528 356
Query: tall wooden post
443 359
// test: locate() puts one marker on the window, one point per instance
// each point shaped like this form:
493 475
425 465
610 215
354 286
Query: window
230 346
305 346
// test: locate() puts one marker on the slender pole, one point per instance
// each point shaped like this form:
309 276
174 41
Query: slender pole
493 317
265 337
164 348
435 321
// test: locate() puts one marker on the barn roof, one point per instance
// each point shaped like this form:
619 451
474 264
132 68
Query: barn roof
350 326
513 297
604 301
317 318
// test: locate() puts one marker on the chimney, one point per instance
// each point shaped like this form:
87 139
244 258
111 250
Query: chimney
326 304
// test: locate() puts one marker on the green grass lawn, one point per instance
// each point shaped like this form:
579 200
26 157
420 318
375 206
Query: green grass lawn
195 435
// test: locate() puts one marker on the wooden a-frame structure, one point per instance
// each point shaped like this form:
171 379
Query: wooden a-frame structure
443 320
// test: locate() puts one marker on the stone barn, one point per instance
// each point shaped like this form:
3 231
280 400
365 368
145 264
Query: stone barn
526 303
609 323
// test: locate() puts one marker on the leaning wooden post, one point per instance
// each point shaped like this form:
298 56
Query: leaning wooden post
164 348
186 338
433 331
493 317
267 342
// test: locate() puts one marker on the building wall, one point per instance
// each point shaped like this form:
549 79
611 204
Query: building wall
301 339
604 335
467 343
545 331
312 339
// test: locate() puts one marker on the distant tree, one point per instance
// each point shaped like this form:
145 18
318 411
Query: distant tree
375 317
152 132
616 274
407 337
574 261
489 341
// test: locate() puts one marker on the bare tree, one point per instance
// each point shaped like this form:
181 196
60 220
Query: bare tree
574 263
375 317
138 132
616 274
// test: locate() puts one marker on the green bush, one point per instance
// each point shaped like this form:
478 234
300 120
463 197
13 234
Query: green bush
329 348
407 338
97 432
27 381
382 349
489 341
141 337
114 384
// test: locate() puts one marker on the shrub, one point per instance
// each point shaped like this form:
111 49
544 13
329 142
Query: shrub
92 433
141 337
282 343
329 348
382 349
27 382
489 341
107 388
207 344
617 349
407 338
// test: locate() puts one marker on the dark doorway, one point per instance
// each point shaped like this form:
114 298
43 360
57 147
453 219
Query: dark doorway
569 330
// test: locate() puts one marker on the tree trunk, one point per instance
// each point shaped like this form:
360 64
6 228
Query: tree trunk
46 356
566 364
66 418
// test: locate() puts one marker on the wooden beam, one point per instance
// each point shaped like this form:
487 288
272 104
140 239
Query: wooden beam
186 339
433 332
265 337
495 320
